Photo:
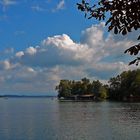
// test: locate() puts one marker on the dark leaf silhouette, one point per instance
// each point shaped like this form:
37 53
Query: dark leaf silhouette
134 50
115 30
132 62
124 32
139 37
136 61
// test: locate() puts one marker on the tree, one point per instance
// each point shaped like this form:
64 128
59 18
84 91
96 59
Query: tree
64 88
67 88
85 85
124 16
97 85
103 92
125 85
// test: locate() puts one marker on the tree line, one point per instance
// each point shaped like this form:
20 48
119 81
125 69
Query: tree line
68 88
123 86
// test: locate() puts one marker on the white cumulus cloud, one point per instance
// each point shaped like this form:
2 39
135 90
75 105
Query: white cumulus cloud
39 68
19 54
31 50
5 65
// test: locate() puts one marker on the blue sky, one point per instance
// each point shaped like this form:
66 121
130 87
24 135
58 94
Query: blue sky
44 41
29 21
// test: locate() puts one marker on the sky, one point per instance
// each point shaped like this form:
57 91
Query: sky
42 42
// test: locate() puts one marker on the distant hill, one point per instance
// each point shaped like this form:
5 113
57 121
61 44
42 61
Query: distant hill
27 96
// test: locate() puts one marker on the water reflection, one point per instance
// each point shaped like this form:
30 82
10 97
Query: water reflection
46 119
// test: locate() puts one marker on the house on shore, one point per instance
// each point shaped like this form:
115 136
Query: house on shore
85 97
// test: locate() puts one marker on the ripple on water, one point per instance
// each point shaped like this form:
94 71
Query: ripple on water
46 119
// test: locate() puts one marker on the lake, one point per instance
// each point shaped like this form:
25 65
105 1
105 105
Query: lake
49 119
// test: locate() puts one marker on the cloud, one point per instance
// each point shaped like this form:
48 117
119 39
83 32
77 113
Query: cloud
38 8
60 5
5 65
106 70
31 50
48 6
39 68
93 36
7 51
17 33
6 3
19 54
57 50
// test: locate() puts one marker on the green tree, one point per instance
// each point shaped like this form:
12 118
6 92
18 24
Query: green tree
125 85
122 16
67 88
64 88
85 85
103 93
96 88
76 88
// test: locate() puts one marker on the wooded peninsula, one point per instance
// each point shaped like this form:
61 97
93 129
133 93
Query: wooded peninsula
123 87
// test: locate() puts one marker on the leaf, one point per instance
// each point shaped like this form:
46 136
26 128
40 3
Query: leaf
90 17
139 37
129 29
85 15
110 27
108 21
137 63
132 50
83 1
132 62
135 27
115 30
124 32
126 51
135 52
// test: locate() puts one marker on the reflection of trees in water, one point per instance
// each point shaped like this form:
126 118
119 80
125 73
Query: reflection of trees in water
132 113
126 113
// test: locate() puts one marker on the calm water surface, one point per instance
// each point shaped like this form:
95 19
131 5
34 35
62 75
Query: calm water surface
47 119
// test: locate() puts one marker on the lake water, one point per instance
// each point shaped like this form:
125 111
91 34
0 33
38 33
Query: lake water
48 119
